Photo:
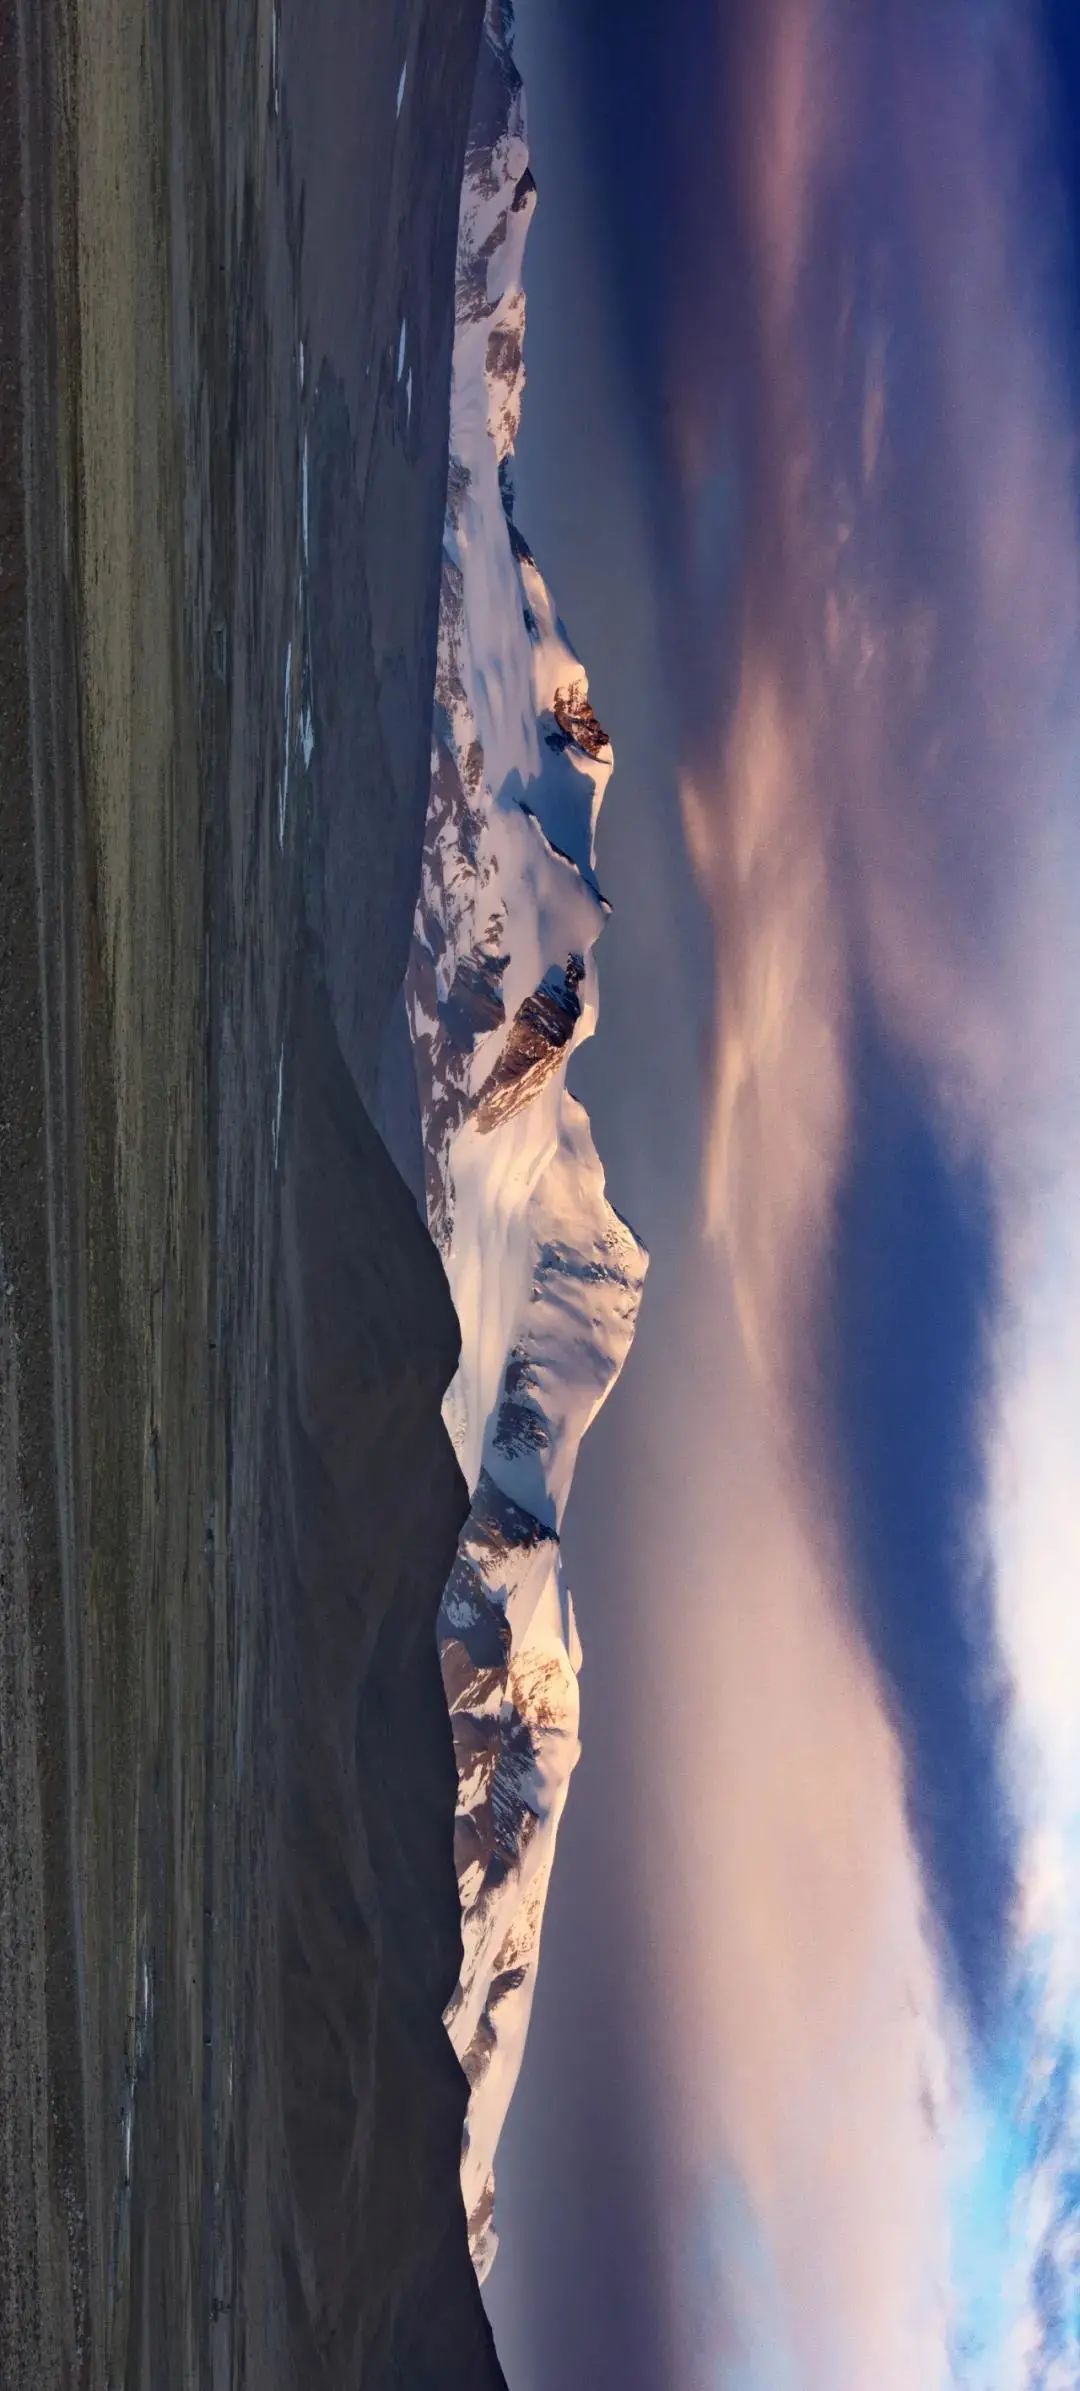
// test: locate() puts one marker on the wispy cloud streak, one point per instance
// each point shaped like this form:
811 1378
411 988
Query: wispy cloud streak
882 808
883 824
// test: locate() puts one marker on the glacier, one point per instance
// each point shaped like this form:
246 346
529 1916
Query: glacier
501 989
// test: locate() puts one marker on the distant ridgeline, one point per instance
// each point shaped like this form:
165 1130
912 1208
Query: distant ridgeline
501 988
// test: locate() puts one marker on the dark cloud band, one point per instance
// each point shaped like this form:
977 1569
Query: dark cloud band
909 1356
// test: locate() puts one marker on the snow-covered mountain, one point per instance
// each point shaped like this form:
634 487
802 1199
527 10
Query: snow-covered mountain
545 1276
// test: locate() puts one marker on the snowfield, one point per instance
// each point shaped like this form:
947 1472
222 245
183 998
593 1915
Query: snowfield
545 1276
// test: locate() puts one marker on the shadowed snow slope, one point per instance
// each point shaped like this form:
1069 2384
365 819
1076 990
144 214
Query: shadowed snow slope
545 1276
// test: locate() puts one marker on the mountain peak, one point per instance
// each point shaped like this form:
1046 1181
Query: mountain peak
545 1276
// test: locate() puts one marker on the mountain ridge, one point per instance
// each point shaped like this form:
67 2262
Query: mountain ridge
501 989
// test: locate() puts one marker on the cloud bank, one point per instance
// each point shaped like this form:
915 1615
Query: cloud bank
885 823
882 807
837 1509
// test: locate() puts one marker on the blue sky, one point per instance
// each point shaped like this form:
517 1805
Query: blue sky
821 421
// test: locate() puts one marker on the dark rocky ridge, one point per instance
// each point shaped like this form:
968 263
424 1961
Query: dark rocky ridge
379 2285
544 1023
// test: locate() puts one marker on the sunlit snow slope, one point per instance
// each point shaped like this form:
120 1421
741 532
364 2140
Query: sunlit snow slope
502 986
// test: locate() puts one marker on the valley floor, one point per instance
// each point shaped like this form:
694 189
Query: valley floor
229 2116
